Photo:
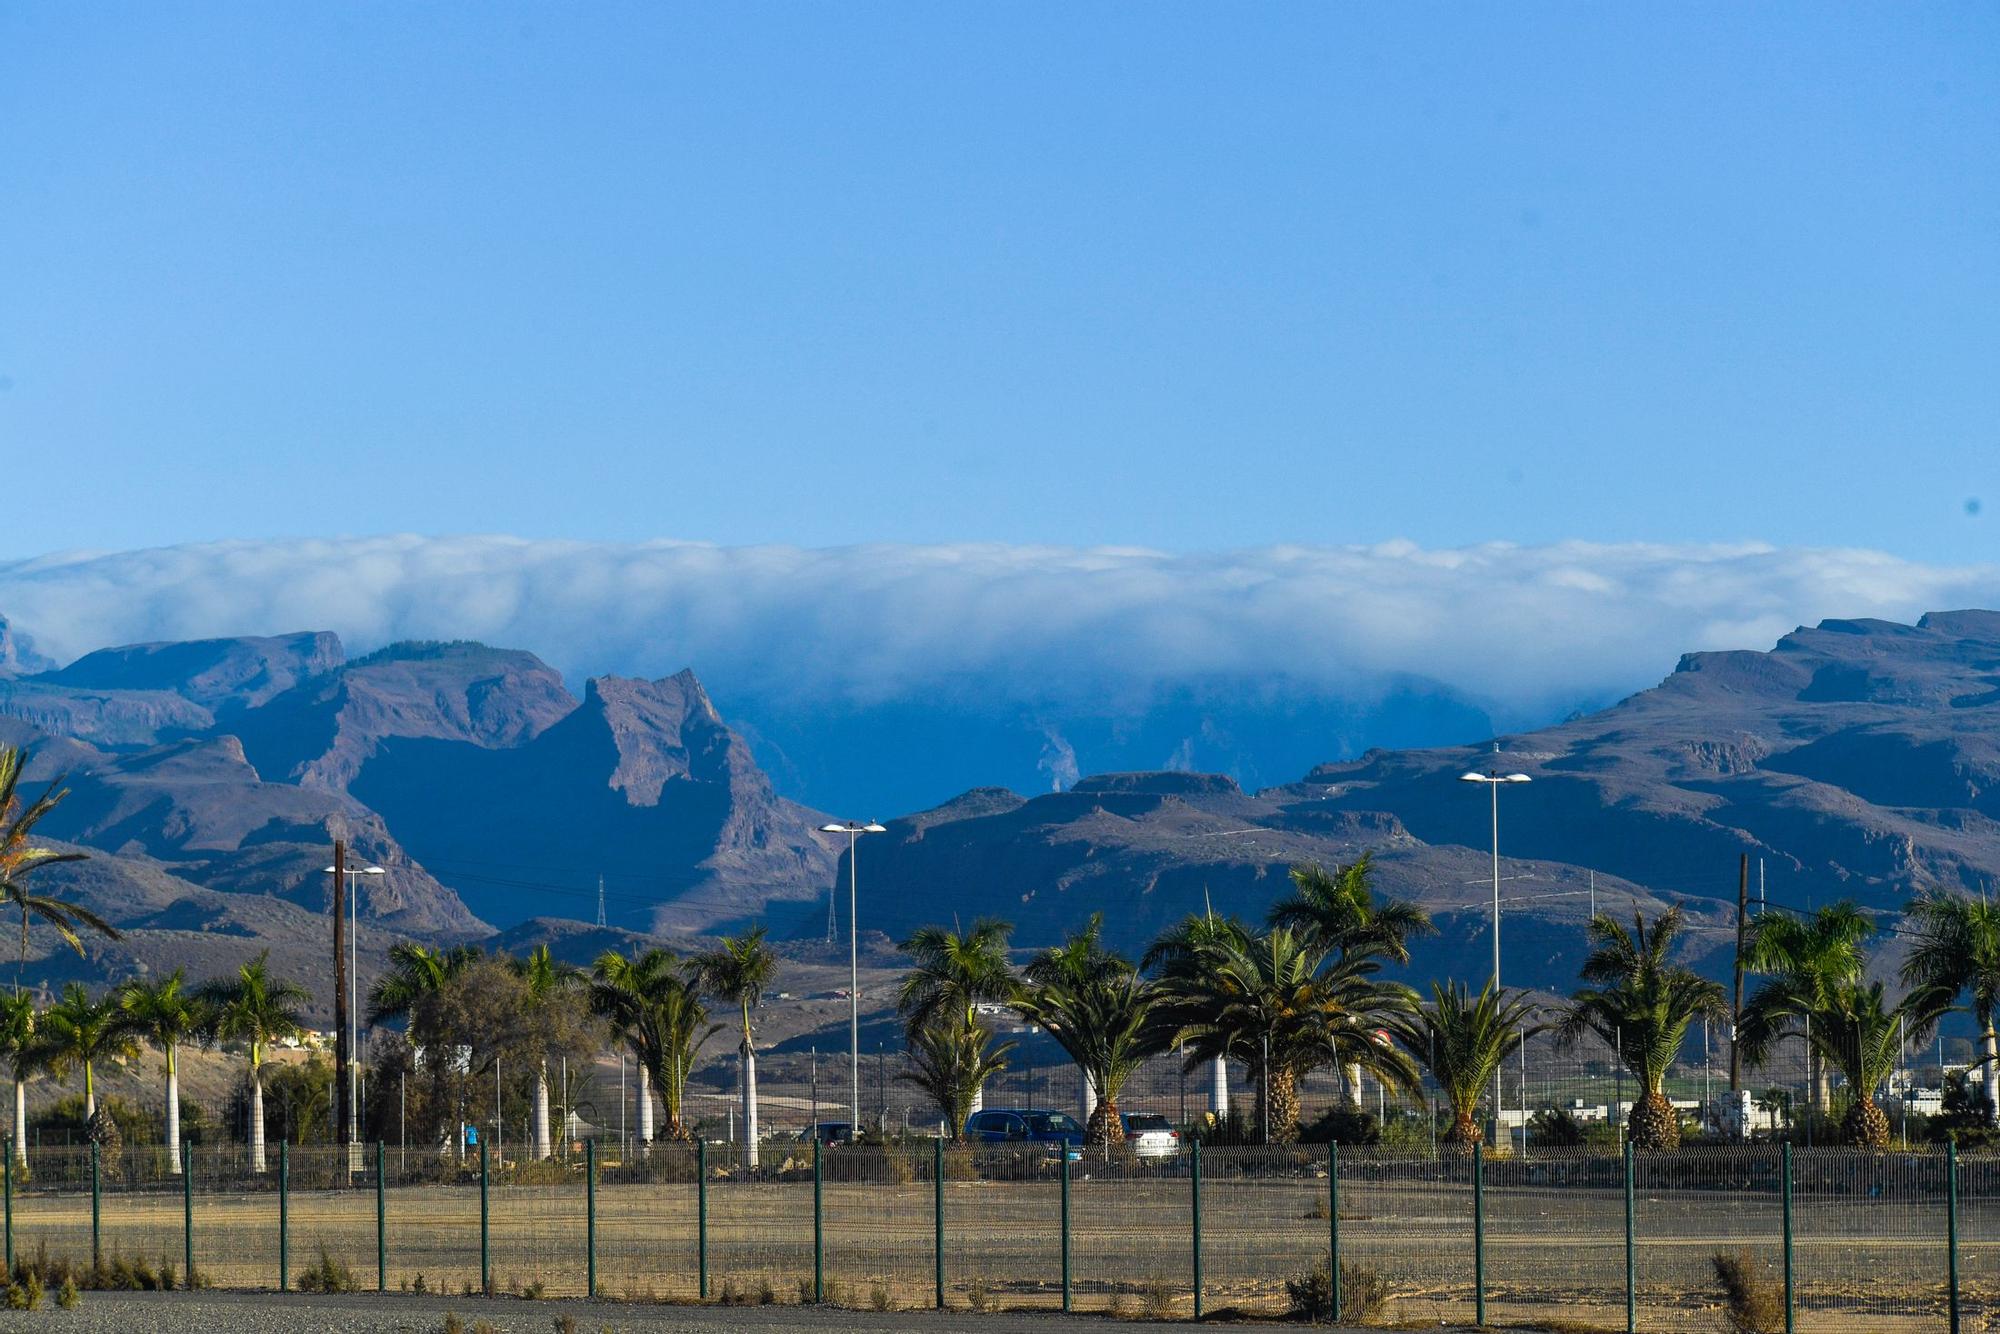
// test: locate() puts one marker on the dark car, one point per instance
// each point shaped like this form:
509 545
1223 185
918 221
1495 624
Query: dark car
1026 1125
832 1132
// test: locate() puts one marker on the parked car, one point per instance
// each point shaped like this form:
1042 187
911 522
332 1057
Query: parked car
831 1132
1026 1125
1150 1134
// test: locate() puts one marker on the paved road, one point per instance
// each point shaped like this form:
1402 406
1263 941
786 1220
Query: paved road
396 1313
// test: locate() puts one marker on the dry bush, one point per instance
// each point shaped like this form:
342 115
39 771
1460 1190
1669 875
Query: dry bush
1754 1301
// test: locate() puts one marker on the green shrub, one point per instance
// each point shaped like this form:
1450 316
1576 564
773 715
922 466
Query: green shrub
326 1275
1363 1294
67 1296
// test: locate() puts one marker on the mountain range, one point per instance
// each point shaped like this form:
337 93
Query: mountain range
1854 759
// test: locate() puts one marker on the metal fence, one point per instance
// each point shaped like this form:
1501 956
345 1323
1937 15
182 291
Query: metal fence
1839 1239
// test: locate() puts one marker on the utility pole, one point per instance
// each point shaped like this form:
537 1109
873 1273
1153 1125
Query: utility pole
1736 1011
600 900
341 1055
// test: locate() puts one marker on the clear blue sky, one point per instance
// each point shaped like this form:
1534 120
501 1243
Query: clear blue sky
1181 276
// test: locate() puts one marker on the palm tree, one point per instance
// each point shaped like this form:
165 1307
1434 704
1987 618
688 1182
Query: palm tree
18 858
78 1031
1284 1004
657 1013
1806 962
1462 1039
1957 953
738 970
414 973
23 1055
951 1061
1179 955
1641 1005
166 1014
1100 1010
259 1009
547 982
951 974
1861 1036
1340 909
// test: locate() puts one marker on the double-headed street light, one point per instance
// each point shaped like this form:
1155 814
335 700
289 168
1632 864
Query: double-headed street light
353 983
854 829
1493 782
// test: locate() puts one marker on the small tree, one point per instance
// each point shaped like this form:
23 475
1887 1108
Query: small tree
549 985
951 1061
1462 1040
655 1010
1099 1009
24 1057
79 1031
258 1009
1860 1035
738 971
951 974
1641 1005
167 1015
1956 953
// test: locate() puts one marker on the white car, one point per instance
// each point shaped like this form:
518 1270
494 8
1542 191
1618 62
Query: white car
1150 1134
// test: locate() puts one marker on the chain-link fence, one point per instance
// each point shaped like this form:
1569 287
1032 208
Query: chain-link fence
1811 1239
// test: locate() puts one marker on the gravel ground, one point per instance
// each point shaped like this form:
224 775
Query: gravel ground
395 1313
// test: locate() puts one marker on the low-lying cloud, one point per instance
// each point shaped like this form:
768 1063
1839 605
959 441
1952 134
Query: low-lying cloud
1524 628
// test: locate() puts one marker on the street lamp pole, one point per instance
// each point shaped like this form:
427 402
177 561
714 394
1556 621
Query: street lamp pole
353 998
1493 781
854 829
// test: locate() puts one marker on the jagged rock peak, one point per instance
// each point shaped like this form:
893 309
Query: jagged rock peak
215 673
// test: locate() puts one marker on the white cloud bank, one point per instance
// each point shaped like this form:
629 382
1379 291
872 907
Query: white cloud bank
1522 627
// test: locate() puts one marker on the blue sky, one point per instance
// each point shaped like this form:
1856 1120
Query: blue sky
1188 277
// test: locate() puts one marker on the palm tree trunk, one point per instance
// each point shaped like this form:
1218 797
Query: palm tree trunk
542 1149
1350 1081
750 1104
20 1120
645 1111
1089 1095
173 1115
1284 1106
1218 1088
256 1116
89 1091
1822 1077
1990 1071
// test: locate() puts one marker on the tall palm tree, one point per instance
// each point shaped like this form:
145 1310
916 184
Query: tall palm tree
547 982
19 858
1341 910
738 971
952 973
256 1008
1102 1011
1957 953
1285 1005
1859 1034
657 1013
414 973
166 1014
951 1061
1462 1039
1806 961
78 1031
22 1052
1641 1005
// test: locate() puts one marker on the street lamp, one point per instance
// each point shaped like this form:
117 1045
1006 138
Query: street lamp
353 1027
854 829
1493 782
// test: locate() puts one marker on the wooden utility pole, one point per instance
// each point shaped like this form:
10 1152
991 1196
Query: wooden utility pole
341 993
1736 1012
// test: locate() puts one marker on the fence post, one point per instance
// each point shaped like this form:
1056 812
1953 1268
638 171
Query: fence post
10 1207
1478 1234
590 1216
819 1224
381 1217
96 1206
1333 1224
187 1212
1194 1180
1063 1152
485 1224
284 1215
1951 1227
937 1219
1788 1238
701 1213
1631 1268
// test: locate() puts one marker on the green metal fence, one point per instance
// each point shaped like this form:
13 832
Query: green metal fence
1840 1239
